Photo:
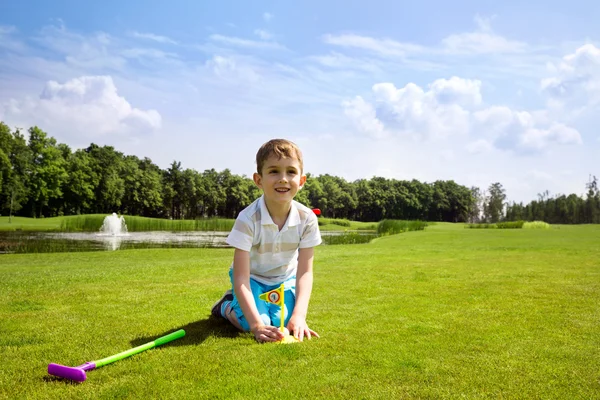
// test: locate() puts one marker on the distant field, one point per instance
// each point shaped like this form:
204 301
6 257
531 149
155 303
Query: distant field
443 313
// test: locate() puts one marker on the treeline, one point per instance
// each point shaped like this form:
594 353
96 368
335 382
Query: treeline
42 178
560 209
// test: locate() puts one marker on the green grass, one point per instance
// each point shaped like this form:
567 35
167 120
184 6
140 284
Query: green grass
442 313
30 224
334 224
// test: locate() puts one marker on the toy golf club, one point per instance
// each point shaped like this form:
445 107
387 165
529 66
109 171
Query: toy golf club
78 373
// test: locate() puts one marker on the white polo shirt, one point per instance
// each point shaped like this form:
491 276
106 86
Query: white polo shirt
274 253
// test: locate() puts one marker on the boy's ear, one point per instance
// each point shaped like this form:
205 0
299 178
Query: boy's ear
302 180
257 180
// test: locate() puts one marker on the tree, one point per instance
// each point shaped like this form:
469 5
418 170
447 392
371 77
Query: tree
592 202
494 206
81 184
108 165
15 177
150 188
47 172
476 211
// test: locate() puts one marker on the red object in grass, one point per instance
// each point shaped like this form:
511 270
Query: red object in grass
317 211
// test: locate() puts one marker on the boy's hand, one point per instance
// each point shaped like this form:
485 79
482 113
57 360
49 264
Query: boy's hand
266 333
299 329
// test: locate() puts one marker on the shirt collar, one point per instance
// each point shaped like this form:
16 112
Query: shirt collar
265 219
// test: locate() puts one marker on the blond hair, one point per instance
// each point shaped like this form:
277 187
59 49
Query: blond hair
278 148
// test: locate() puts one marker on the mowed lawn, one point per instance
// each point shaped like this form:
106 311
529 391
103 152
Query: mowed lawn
443 313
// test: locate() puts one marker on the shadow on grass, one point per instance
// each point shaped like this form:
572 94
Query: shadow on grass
52 378
195 333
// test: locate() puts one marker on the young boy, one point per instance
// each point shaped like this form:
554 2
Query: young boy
273 239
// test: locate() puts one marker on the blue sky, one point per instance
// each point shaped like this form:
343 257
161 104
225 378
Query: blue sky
474 91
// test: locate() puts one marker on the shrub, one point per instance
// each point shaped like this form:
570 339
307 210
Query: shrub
481 226
394 226
510 225
536 225
348 238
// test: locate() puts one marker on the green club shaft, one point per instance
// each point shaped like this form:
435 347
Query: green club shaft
158 342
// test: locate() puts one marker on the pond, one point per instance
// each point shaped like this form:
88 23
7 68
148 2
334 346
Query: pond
52 242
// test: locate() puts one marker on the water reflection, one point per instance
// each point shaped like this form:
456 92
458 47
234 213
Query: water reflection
113 243
44 242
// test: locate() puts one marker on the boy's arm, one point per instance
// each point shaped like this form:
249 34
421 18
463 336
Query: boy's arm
243 292
304 281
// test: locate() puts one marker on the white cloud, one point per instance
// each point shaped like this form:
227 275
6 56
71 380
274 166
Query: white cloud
447 155
576 83
81 109
153 37
155 54
268 16
386 47
479 146
264 35
481 41
536 138
521 130
364 116
230 70
464 92
454 108
341 61
436 112
539 175
91 52
7 40
246 43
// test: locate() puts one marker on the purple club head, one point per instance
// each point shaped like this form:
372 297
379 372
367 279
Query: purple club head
73 373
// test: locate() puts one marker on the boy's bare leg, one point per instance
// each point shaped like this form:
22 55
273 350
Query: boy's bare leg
230 315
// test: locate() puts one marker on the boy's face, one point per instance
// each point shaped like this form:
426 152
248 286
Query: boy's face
280 179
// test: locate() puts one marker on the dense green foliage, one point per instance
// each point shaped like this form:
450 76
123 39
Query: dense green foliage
443 313
42 178
560 209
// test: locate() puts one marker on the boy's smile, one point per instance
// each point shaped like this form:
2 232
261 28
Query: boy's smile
280 180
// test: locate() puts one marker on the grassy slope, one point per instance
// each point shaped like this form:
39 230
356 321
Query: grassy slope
441 313
30 224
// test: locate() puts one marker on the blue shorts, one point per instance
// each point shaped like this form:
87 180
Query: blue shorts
269 313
